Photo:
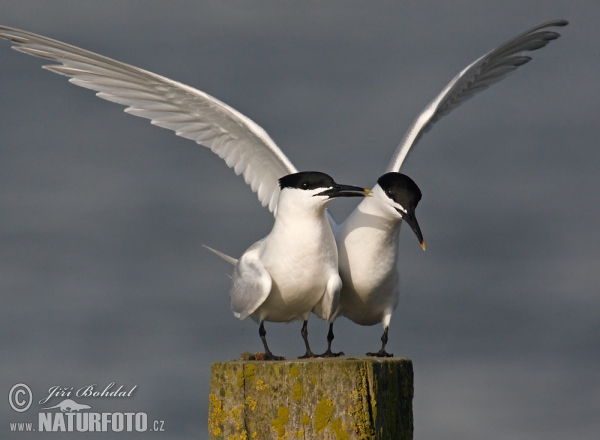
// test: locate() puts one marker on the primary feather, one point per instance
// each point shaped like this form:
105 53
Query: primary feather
477 76
192 114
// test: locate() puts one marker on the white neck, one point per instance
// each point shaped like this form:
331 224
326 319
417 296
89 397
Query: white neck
301 226
374 212
368 241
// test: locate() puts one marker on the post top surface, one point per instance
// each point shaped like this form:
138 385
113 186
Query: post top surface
350 359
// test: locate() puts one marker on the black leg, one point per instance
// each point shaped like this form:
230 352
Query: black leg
382 352
268 355
304 333
330 337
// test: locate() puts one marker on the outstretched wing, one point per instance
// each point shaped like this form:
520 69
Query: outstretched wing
477 76
192 114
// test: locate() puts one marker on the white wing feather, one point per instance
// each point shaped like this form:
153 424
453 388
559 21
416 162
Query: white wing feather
477 76
251 283
192 114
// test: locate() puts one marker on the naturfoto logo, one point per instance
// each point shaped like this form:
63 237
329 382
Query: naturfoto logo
69 415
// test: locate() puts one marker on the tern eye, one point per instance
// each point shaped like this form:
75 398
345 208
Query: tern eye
305 185
389 193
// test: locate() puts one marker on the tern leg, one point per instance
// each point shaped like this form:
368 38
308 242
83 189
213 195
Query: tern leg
382 352
268 355
330 337
304 333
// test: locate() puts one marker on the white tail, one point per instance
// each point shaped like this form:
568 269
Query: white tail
230 260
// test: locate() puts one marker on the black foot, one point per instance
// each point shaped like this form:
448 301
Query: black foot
330 354
267 355
309 354
381 353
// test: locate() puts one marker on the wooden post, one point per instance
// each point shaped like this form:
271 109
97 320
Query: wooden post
343 398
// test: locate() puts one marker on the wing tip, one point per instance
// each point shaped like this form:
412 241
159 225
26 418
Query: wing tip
14 38
560 22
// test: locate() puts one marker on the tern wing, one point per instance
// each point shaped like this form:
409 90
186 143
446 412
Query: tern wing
477 76
251 283
192 114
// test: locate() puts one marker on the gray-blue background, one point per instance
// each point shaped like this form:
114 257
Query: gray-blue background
102 216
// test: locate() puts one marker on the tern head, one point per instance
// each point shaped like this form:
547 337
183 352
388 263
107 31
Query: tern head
401 193
313 188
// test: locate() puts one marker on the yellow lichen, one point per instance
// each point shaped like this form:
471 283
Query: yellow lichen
251 403
305 419
330 415
294 371
249 372
359 410
339 428
236 415
323 413
283 417
297 391
216 414
262 386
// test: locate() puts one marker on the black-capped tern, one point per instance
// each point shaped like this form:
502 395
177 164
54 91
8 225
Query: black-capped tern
368 239
247 148
282 277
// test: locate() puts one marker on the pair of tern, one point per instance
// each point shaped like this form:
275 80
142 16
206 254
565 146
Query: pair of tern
308 263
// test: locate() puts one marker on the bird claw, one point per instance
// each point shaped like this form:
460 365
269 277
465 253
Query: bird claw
308 355
381 353
330 353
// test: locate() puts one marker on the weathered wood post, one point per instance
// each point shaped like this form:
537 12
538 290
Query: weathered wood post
347 398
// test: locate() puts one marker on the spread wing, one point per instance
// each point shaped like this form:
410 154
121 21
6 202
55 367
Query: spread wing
251 283
477 76
192 114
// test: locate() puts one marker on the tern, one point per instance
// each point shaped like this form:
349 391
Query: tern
282 277
368 239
